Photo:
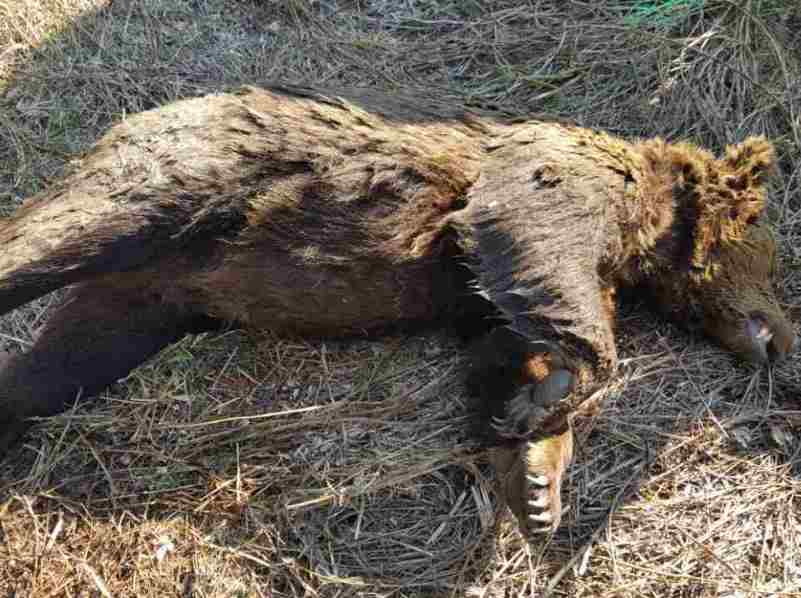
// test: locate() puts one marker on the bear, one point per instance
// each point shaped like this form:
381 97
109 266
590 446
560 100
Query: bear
340 213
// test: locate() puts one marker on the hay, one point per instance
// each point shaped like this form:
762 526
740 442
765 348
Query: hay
259 466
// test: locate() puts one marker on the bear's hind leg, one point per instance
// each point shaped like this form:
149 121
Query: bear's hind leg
100 333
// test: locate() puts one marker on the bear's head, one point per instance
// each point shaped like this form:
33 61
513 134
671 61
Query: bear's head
716 268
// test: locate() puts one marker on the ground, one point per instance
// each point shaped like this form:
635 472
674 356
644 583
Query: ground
241 464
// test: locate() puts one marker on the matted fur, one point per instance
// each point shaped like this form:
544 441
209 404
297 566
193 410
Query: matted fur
308 213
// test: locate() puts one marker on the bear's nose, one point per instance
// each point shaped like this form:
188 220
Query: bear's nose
773 341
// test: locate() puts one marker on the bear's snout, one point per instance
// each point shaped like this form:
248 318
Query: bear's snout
772 340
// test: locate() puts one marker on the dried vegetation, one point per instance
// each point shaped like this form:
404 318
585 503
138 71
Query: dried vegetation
235 465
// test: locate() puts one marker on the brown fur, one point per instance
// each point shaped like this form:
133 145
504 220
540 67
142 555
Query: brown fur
305 213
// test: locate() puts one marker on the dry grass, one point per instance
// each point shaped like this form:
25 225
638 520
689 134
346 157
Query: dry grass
255 466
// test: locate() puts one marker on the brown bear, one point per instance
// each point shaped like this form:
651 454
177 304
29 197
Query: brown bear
307 213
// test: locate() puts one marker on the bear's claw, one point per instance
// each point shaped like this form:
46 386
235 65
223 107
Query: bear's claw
530 477
546 461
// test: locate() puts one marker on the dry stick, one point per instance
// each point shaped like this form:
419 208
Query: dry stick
15 339
778 53
106 472
549 589
100 584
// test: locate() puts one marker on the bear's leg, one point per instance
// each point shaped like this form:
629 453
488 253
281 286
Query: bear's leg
100 333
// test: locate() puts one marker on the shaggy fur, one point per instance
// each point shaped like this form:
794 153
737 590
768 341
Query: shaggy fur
307 213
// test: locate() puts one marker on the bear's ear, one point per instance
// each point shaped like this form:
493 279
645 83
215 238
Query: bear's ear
734 198
749 164
745 169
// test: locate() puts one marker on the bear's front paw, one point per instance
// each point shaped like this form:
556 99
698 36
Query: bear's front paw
538 450
535 408
530 476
